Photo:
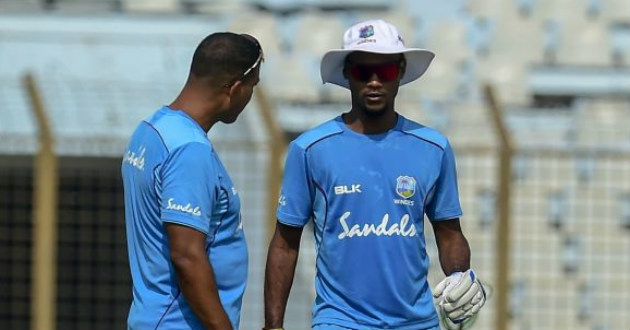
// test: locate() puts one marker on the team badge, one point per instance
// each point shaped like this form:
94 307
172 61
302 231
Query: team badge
366 31
405 186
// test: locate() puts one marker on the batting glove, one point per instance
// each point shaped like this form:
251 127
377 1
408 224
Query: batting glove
460 295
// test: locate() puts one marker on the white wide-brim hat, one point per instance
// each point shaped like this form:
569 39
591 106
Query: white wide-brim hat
374 36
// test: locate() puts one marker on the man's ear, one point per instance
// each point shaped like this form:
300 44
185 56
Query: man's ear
232 90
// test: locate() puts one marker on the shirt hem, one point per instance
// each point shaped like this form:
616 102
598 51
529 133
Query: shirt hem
426 324
290 220
447 215
187 224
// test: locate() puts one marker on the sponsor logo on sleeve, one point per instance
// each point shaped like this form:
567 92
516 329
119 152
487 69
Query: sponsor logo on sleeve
135 159
282 201
186 208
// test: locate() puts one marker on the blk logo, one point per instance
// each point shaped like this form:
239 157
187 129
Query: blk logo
341 190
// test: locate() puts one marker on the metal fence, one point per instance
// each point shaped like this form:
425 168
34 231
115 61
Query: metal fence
569 234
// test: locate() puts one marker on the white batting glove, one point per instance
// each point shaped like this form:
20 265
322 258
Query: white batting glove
460 295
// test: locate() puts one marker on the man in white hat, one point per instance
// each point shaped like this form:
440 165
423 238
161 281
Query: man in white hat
367 179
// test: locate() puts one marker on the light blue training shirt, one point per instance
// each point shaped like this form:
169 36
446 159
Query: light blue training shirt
368 195
171 174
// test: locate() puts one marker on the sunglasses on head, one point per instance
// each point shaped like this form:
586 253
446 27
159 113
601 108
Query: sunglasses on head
385 72
260 58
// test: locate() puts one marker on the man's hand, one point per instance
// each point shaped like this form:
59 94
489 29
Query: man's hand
460 295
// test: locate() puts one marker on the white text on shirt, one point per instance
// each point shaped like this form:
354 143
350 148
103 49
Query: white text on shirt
402 228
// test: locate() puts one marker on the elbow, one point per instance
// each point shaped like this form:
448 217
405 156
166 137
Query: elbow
183 260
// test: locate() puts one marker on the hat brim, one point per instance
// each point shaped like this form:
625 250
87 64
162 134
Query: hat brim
331 68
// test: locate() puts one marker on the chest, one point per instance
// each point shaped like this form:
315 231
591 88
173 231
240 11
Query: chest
397 172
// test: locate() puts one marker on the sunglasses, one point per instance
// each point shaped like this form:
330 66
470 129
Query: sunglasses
385 72
260 58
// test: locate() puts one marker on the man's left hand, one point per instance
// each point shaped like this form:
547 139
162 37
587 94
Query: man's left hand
460 295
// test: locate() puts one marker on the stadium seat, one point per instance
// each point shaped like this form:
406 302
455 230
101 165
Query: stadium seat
439 82
82 7
545 10
20 6
583 42
603 123
288 79
616 10
262 25
530 36
151 6
620 43
490 8
317 32
448 41
507 77
217 8
470 125
551 41
347 4
506 65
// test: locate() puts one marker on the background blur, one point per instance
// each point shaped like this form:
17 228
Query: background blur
533 94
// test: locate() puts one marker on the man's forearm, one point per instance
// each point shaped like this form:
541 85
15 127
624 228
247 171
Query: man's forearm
454 254
197 283
279 273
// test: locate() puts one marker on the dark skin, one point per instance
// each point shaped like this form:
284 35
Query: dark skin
373 101
372 113
279 271
207 101
195 276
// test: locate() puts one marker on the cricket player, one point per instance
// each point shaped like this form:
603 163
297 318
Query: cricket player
367 178
187 249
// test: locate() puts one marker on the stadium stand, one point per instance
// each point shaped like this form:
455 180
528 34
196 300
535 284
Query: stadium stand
561 70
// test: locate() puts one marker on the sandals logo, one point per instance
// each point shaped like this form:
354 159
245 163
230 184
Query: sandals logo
188 208
135 160
404 227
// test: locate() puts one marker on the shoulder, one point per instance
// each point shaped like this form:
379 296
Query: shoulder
424 133
176 129
319 133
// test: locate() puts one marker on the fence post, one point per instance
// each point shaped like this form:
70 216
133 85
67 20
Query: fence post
44 255
278 146
503 234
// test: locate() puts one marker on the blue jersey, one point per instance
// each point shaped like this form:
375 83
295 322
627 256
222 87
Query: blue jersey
368 195
171 174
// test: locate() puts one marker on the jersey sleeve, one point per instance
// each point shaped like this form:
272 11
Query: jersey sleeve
295 205
189 180
443 201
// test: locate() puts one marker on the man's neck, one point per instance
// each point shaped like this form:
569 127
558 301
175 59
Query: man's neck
363 123
199 107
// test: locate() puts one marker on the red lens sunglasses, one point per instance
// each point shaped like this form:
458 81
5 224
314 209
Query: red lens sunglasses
385 72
